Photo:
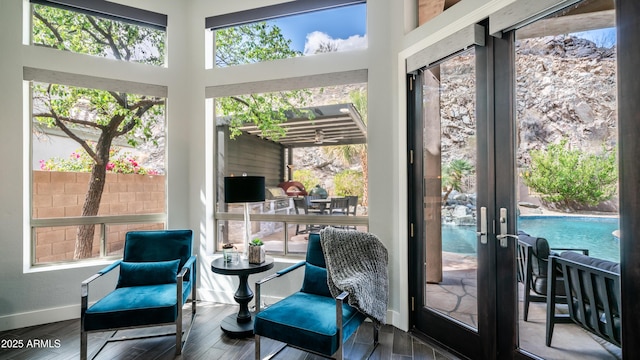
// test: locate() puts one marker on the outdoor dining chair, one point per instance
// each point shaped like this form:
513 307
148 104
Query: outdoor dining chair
533 254
301 207
339 206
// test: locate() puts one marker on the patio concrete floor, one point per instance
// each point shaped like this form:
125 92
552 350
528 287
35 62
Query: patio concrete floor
456 297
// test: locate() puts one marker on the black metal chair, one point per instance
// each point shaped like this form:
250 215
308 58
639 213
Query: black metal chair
533 254
593 288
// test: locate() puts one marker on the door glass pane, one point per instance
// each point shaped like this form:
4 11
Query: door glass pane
567 133
450 191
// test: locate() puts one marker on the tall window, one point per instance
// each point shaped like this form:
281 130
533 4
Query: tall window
120 32
97 170
97 145
320 142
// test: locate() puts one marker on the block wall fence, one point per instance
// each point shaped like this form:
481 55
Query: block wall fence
62 194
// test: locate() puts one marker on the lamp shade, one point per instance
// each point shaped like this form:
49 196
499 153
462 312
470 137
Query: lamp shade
242 189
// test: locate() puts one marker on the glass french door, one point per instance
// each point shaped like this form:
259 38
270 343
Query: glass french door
454 203
566 96
475 119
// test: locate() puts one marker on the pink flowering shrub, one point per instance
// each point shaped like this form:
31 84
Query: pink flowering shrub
80 161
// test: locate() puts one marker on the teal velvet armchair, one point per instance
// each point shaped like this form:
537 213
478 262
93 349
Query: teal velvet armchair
157 274
310 319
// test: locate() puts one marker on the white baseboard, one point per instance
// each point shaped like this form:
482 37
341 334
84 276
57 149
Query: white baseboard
393 318
39 317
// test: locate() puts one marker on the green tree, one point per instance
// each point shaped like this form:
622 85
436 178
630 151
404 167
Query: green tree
352 152
253 43
452 175
110 114
306 177
569 178
349 183
81 33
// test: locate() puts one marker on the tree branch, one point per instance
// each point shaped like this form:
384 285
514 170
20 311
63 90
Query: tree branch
120 99
126 49
95 37
108 36
50 26
55 116
72 135
145 102
240 101
131 124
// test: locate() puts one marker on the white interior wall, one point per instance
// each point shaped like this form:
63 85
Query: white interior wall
31 297
36 296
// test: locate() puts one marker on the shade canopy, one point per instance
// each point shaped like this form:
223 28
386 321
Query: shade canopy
241 189
338 124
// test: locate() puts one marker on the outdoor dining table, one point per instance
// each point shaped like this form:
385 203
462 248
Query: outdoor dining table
323 204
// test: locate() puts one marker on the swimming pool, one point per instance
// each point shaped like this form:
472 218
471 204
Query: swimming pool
593 233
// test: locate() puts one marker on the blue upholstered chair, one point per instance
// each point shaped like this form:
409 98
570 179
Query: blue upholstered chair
310 319
157 274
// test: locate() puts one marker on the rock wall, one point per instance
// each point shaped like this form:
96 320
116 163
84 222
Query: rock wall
565 86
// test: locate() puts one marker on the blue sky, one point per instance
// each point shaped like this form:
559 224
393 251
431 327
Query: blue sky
601 37
339 23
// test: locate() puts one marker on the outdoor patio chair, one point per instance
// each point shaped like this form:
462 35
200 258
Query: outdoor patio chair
353 204
353 208
314 208
339 206
301 207
593 286
533 254
157 274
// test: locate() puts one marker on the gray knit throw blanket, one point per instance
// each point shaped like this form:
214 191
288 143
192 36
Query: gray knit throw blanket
357 263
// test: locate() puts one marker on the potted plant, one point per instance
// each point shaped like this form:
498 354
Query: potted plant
256 252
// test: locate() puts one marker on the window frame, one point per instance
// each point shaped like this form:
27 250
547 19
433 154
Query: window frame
274 11
111 10
115 13
31 75
263 14
293 83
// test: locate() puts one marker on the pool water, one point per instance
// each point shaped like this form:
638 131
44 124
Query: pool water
591 233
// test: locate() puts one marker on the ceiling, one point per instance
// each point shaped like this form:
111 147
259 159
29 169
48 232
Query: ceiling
584 16
339 124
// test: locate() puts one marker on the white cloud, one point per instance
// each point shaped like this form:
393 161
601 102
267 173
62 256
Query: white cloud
316 38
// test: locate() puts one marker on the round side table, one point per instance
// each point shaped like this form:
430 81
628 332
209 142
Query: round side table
241 324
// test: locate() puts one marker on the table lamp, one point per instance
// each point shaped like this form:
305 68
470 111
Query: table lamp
244 189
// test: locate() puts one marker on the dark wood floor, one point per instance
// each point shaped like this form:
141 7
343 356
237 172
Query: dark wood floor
61 340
